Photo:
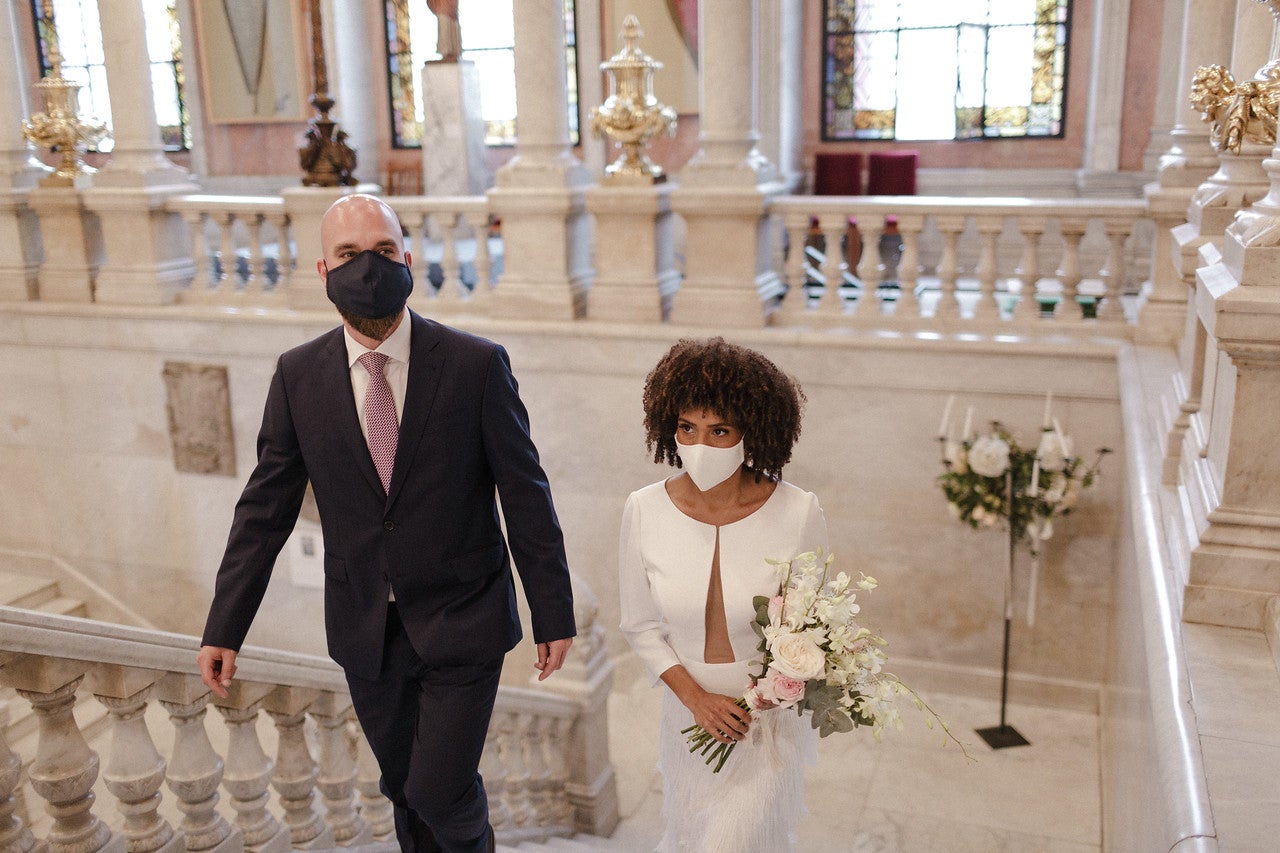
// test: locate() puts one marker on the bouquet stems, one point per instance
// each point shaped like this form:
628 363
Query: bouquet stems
701 741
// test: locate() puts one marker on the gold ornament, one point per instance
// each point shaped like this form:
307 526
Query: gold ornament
1237 111
631 115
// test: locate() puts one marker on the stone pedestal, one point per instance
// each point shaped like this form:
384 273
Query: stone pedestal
729 274
1235 568
453 152
148 249
19 247
72 238
635 262
546 237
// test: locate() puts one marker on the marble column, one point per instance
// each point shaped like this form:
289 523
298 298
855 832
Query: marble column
1169 85
1235 567
1188 162
725 189
779 38
1100 174
354 75
19 170
148 256
454 161
539 193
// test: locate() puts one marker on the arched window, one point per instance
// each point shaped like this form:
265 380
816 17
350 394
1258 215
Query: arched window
944 69
488 40
79 36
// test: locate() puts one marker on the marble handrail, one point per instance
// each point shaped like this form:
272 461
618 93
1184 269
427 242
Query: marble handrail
974 261
53 660
241 247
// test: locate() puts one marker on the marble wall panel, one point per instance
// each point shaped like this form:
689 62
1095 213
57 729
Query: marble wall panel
199 409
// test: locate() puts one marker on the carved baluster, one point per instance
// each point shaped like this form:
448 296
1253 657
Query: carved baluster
558 760
1068 308
451 287
254 280
494 773
374 807
479 222
1028 271
296 772
1191 406
535 758
1109 305
195 771
797 229
415 241
14 834
833 265
337 781
200 257
64 771
909 266
134 773
949 267
228 280
869 265
247 778
987 307
516 786
284 253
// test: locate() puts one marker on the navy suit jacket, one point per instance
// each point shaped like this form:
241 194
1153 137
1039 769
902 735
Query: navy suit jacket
434 538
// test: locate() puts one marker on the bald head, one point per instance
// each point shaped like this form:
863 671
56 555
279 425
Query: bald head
356 223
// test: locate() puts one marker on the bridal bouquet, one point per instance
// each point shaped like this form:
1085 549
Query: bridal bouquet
817 658
1046 480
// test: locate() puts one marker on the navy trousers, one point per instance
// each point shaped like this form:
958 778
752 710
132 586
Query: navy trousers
427 728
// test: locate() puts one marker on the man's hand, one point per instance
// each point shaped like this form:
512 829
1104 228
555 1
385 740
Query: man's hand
551 656
218 667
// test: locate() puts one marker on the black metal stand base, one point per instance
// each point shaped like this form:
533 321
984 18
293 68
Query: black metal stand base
999 737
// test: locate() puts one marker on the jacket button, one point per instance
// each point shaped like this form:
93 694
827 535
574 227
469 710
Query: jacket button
388 526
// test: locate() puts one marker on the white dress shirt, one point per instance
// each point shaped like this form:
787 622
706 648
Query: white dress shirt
396 349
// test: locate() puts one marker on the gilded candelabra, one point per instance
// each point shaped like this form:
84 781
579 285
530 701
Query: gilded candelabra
631 115
60 128
326 158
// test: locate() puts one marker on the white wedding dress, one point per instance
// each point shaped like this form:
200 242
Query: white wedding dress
665 560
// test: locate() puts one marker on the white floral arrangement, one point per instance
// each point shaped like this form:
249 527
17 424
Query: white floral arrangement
817 658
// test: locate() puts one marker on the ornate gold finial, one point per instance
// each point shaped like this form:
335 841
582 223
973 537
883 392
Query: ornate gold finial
631 115
326 158
1238 111
60 128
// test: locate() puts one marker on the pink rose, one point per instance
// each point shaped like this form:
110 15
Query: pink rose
783 689
775 608
756 700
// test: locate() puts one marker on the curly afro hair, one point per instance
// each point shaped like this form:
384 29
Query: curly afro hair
736 383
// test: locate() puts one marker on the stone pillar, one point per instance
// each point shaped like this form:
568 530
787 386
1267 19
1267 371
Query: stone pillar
72 239
148 256
539 193
349 29
1235 568
453 153
725 190
1167 107
1100 174
779 39
1188 162
635 253
19 170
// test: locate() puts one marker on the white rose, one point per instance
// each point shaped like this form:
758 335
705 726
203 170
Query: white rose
1057 488
798 656
989 456
1054 453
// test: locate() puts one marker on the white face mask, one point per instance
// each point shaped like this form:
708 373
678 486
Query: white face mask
710 466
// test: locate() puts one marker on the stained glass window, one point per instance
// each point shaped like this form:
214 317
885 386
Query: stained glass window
488 40
79 35
944 69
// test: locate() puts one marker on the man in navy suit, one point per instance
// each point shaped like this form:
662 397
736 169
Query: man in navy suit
404 455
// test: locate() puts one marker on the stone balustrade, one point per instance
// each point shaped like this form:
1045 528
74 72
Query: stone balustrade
977 262
241 248
226 791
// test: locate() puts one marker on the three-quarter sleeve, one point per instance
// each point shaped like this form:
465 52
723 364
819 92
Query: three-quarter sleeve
642 622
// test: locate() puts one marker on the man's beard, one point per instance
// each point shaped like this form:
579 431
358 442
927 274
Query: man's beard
371 327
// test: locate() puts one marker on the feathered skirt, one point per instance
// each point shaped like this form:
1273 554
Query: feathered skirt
755 802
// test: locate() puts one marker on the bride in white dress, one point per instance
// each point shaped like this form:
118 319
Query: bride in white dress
692 556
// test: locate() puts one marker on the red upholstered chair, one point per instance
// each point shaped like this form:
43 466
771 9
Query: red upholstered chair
837 174
892 173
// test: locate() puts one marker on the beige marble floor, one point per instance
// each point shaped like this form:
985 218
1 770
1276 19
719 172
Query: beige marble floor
907 793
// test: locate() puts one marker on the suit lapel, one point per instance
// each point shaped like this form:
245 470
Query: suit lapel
342 407
426 357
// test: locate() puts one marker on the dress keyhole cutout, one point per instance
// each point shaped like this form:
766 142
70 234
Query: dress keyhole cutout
716 647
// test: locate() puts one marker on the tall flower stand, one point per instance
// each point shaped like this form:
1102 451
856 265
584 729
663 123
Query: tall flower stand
1005 735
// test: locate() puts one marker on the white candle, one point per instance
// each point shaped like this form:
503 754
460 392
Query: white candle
1048 403
1062 439
968 422
946 417
1034 491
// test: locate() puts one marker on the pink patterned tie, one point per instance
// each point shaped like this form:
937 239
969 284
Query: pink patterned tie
380 417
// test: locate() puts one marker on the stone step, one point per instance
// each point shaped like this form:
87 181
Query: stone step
26 591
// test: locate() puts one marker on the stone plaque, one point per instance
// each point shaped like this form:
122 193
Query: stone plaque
199 404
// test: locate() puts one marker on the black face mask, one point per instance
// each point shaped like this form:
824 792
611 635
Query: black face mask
370 285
